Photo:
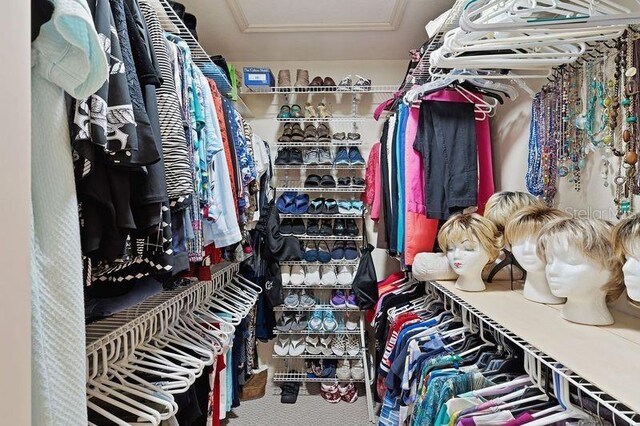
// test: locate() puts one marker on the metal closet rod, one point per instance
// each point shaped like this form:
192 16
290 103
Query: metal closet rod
584 387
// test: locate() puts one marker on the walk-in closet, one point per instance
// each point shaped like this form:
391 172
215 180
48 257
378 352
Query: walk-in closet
357 212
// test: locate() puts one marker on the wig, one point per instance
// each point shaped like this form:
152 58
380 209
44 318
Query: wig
473 227
528 221
502 205
593 238
625 239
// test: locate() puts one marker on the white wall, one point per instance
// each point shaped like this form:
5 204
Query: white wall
266 108
15 304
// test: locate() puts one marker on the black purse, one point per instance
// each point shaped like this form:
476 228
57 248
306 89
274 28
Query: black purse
365 281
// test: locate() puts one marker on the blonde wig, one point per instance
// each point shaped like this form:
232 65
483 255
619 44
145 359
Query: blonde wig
528 221
502 205
626 236
473 227
593 238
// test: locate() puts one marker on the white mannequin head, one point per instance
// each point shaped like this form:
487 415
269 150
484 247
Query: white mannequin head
626 245
470 242
502 205
521 233
581 266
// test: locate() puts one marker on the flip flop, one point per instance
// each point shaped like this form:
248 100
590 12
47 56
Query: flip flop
357 206
327 181
330 206
316 206
300 204
297 226
344 207
285 202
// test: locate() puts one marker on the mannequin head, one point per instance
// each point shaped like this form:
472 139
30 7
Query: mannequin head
626 246
581 266
470 242
502 205
521 233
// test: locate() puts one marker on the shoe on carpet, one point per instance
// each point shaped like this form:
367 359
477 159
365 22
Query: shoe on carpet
289 393
330 392
348 393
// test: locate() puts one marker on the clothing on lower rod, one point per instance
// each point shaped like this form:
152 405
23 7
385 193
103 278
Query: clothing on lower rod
447 141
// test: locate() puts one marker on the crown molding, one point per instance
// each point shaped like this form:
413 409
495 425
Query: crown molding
395 18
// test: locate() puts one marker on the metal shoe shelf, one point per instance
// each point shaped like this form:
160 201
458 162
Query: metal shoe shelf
332 262
338 90
321 356
317 287
290 374
314 144
348 119
314 332
321 216
316 190
330 237
327 307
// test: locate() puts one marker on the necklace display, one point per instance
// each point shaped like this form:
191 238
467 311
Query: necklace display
587 109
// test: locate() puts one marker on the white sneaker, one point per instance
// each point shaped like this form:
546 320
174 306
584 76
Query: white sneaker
312 277
357 369
329 276
297 275
343 371
285 273
351 321
345 275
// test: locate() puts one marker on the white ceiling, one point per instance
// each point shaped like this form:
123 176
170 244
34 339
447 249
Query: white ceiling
289 30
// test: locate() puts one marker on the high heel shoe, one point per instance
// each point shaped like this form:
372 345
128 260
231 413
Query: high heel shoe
323 111
310 111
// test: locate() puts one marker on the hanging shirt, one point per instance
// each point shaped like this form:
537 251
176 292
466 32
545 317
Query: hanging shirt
67 56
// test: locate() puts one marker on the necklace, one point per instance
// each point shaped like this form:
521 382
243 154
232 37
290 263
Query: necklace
534 179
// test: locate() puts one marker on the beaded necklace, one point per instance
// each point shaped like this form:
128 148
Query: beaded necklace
534 163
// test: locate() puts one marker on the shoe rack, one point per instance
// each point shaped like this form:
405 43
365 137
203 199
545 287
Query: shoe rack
291 177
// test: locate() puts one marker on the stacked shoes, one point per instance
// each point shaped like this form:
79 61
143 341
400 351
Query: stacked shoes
316 275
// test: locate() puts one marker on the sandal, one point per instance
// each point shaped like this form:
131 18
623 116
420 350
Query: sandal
323 111
285 202
316 206
312 181
297 227
352 228
325 344
339 346
357 182
285 323
297 346
343 182
299 322
309 111
339 136
325 227
323 134
357 206
300 204
312 345
353 348
330 206
285 112
344 207
339 227
285 227
281 346
286 133
297 135
296 111
313 227
327 181
310 133
353 136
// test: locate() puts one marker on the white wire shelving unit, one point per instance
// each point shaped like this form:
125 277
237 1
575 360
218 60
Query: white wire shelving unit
330 237
348 119
322 307
319 144
290 90
331 263
316 189
322 216
318 333
309 356
321 167
296 376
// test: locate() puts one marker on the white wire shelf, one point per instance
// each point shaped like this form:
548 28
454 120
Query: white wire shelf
321 167
320 144
322 216
287 376
331 237
324 120
309 356
318 287
284 90
303 189
313 333
332 262
322 307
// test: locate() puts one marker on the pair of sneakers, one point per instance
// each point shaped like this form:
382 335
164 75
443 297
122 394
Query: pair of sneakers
299 299
321 275
340 299
334 393
345 345
293 275
349 157
347 370
323 320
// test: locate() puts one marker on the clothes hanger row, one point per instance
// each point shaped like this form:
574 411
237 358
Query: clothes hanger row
132 379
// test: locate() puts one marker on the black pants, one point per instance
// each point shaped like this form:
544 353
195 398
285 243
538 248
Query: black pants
446 138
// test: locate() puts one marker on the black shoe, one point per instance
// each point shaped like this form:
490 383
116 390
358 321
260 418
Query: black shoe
295 157
325 227
283 157
352 228
285 226
297 227
289 393
339 227
313 227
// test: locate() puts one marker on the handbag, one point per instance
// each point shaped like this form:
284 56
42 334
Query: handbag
365 281
276 246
